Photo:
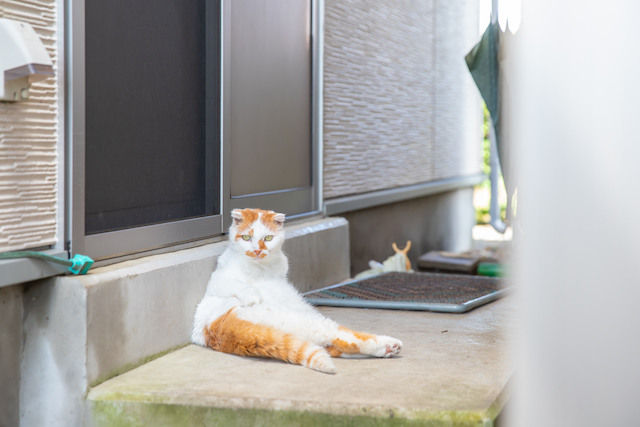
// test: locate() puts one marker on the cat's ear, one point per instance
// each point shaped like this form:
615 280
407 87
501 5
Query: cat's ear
278 219
237 216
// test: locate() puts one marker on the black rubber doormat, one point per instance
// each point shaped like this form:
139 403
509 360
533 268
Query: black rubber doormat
452 293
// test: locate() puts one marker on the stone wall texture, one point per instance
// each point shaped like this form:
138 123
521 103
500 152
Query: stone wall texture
28 144
400 107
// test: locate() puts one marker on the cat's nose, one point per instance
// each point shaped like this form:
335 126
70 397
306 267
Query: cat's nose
258 252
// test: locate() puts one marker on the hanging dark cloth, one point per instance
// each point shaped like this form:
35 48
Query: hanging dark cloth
487 64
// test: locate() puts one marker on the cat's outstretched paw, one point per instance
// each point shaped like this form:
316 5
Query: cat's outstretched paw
249 298
322 362
250 301
389 347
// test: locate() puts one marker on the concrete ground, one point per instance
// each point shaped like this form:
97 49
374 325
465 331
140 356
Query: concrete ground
453 371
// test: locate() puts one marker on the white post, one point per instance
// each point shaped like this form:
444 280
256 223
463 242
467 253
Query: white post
577 102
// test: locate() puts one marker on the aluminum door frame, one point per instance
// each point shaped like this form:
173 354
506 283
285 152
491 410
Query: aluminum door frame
114 243
290 199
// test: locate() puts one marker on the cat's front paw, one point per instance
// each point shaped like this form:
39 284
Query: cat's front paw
249 298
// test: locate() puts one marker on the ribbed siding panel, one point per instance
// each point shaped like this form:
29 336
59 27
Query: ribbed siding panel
28 145
458 114
378 95
381 93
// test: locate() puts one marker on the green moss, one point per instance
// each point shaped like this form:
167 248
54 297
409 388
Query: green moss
502 399
131 409
136 414
129 366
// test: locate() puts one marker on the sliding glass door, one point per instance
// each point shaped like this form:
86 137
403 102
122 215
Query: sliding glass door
182 110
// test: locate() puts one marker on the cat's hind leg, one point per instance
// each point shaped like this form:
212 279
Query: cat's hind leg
230 334
347 342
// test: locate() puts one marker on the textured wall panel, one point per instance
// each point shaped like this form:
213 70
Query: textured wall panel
28 140
378 94
381 93
458 130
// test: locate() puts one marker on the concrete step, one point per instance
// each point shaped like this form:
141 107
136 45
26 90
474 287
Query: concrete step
82 330
453 371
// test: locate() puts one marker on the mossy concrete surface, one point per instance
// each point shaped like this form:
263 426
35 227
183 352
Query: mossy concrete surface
129 366
453 371
129 414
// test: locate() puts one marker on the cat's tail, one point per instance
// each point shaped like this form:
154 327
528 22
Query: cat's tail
229 334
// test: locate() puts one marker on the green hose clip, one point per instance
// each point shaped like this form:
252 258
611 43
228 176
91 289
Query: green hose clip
79 264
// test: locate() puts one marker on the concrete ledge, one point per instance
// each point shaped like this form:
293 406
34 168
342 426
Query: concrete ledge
21 270
318 253
454 371
10 350
82 330
109 413
356 202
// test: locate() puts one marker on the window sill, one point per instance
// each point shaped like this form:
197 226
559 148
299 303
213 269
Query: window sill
15 271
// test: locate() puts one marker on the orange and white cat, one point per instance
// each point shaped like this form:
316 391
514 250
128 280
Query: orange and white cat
251 309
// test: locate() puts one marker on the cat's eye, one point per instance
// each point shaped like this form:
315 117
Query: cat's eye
268 238
246 237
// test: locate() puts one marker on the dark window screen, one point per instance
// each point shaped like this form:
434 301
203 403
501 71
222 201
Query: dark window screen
152 127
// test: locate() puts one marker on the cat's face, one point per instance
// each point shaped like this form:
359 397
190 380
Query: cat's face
256 233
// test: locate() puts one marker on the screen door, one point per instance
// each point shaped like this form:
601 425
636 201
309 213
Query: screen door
152 155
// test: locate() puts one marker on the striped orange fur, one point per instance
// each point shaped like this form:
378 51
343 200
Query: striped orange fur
333 352
359 335
249 216
268 219
229 334
350 341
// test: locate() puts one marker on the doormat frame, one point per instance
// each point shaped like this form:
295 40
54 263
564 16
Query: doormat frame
403 305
